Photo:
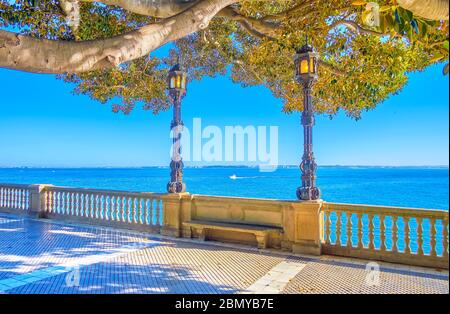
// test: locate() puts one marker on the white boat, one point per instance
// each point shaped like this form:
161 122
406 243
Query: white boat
233 177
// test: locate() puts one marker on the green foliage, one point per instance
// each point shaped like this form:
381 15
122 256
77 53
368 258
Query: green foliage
369 66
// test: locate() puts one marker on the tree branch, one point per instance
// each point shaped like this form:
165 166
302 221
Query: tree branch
50 56
285 14
256 27
71 9
355 27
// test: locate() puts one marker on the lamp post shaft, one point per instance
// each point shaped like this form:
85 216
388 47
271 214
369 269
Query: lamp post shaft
308 166
176 184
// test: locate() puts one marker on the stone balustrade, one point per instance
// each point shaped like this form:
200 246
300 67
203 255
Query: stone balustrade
400 235
15 196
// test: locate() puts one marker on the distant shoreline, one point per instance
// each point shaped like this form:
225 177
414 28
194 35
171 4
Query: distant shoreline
229 167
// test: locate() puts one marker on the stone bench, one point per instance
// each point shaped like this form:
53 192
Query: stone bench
261 233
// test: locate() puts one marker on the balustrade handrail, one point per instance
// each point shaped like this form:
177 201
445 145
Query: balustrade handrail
100 191
14 185
386 210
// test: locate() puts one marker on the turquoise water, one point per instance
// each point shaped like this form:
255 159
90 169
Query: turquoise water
395 186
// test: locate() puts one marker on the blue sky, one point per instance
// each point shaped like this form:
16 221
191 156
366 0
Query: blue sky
43 125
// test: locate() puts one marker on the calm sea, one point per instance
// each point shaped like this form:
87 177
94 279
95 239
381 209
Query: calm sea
396 186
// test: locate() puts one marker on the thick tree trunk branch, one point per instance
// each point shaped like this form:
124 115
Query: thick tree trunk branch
154 8
429 9
49 56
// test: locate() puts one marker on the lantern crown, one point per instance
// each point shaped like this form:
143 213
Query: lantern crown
305 49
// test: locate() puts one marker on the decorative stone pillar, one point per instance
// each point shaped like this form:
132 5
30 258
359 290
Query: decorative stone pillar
37 199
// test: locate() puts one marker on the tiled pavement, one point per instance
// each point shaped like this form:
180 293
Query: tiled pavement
39 256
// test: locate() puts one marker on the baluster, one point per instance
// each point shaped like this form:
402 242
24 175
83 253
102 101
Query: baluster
419 236
81 204
382 233
407 236
106 203
445 238
126 204
71 207
21 203
92 204
359 231
104 207
133 210
97 206
75 203
349 228
25 199
13 194
7 198
158 214
371 231
140 213
19 196
57 202
25 203
51 205
146 211
16 198
61 202
19 199
394 234
10 197
338 228
47 202
115 208
87 211
121 208
151 212
109 204
432 237
126 211
22 199
70 203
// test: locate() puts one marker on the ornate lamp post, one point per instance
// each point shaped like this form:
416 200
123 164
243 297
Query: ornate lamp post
176 81
306 74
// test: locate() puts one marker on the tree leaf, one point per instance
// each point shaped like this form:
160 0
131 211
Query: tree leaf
445 70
